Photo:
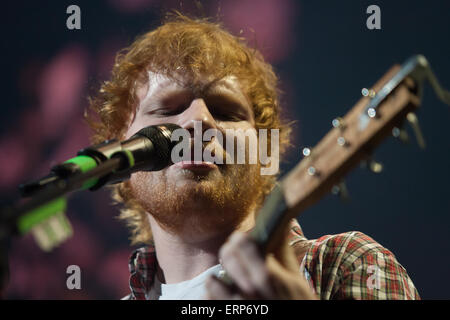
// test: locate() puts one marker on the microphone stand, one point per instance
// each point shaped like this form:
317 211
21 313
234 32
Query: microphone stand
10 215
115 161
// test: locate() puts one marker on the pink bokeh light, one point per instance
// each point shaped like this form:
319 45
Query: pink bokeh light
113 273
13 161
76 138
33 272
105 57
132 6
61 88
84 248
271 20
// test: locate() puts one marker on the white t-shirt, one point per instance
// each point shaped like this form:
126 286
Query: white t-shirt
193 289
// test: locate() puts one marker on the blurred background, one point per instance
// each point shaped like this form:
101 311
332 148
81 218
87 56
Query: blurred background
324 55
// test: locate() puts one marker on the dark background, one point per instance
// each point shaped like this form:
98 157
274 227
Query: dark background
324 55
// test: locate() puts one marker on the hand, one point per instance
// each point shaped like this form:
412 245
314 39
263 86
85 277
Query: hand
275 277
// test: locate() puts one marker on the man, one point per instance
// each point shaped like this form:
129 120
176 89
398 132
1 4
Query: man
193 217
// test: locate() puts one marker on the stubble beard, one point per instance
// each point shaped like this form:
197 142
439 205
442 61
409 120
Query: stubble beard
182 202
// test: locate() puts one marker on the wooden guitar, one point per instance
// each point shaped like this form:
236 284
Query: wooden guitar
377 115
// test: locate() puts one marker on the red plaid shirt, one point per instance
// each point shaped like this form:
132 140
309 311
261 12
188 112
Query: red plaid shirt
349 265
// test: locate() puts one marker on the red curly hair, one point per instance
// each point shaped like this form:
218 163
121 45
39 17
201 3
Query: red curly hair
198 47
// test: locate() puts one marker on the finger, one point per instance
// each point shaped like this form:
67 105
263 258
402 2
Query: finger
270 278
235 269
217 290
246 266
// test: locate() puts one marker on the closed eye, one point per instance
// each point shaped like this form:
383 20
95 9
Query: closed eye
225 108
227 116
169 102
166 111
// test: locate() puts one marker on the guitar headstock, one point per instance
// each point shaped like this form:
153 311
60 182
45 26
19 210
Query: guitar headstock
353 138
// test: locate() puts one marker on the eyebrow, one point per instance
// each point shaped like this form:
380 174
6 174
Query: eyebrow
162 94
228 92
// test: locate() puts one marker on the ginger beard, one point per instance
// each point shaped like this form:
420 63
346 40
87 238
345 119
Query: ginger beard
184 202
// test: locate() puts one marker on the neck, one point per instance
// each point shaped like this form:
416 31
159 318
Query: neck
182 257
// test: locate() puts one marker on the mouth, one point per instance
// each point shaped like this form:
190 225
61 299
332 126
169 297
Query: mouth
198 166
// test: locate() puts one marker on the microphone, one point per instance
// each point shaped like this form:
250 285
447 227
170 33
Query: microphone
147 150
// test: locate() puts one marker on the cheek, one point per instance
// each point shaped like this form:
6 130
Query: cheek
145 182
246 138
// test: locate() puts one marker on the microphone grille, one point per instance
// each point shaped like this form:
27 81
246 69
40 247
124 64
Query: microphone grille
160 136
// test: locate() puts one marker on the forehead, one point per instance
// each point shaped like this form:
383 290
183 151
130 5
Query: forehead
159 83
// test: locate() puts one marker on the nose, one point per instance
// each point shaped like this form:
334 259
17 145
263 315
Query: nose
197 111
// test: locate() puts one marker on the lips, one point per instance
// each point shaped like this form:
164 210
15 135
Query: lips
196 165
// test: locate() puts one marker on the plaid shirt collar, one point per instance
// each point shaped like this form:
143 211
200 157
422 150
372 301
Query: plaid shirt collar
143 264
143 267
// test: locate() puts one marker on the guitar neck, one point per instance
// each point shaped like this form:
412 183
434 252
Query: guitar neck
351 141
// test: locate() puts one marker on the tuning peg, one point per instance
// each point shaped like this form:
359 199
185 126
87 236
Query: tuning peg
338 123
373 165
311 170
371 112
306 152
400 134
368 92
341 190
414 122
